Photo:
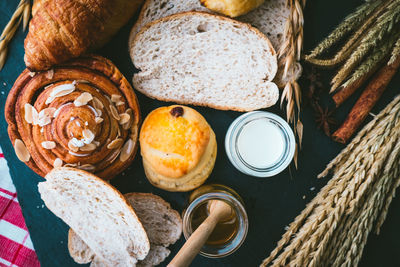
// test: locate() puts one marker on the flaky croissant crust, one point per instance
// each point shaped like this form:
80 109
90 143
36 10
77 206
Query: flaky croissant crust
65 29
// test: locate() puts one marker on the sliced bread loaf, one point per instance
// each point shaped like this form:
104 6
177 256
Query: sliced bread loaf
270 18
98 213
203 59
162 224
156 9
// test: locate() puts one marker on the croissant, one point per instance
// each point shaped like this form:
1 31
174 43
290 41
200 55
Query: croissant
82 114
63 29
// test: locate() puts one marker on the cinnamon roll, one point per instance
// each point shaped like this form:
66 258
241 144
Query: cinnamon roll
82 114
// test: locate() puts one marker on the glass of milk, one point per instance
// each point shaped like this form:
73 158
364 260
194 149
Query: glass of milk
260 144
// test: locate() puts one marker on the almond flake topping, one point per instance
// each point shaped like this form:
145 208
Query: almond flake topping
114 112
127 125
126 150
98 112
82 81
72 147
124 118
76 142
30 113
120 103
115 143
45 116
70 165
48 144
98 120
47 112
115 98
109 99
88 136
58 163
61 90
83 99
21 151
50 74
97 103
87 167
88 147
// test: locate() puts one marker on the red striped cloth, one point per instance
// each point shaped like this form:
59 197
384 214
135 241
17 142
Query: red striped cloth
16 247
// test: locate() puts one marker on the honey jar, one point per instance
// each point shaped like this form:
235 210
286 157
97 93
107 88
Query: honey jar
230 233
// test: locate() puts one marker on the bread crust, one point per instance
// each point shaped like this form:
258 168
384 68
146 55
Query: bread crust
126 205
272 86
253 16
189 13
96 69
81 253
131 197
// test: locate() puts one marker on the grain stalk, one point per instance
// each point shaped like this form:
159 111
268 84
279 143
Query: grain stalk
342 214
370 63
380 35
21 14
289 53
351 22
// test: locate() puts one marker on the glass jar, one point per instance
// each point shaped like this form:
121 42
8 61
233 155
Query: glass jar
260 144
228 236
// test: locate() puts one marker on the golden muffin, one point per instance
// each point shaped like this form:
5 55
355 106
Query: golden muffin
178 147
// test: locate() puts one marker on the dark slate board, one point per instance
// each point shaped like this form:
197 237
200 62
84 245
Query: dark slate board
271 203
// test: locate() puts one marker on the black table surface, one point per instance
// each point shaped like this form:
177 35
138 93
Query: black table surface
271 203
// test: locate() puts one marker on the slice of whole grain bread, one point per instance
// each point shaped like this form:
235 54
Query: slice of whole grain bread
162 224
98 213
270 18
204 59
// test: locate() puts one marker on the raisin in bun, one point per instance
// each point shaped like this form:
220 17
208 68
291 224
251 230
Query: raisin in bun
178 147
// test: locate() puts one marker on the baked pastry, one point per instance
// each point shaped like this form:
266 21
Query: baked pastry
203 59
270 18
163 226
178 147
98 213
83 114
63 29
232 8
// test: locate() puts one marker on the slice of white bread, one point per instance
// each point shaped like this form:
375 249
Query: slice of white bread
162 224
204 59
98 213
78 249
270 18
82 254
157 9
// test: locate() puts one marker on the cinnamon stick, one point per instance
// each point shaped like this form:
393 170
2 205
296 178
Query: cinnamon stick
347 91
366 102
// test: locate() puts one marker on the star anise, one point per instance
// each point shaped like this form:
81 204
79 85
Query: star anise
324 118
315 86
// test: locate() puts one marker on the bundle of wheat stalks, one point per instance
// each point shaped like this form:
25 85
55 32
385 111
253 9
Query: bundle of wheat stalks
22 13
366 44
370 34
290 53
333 229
